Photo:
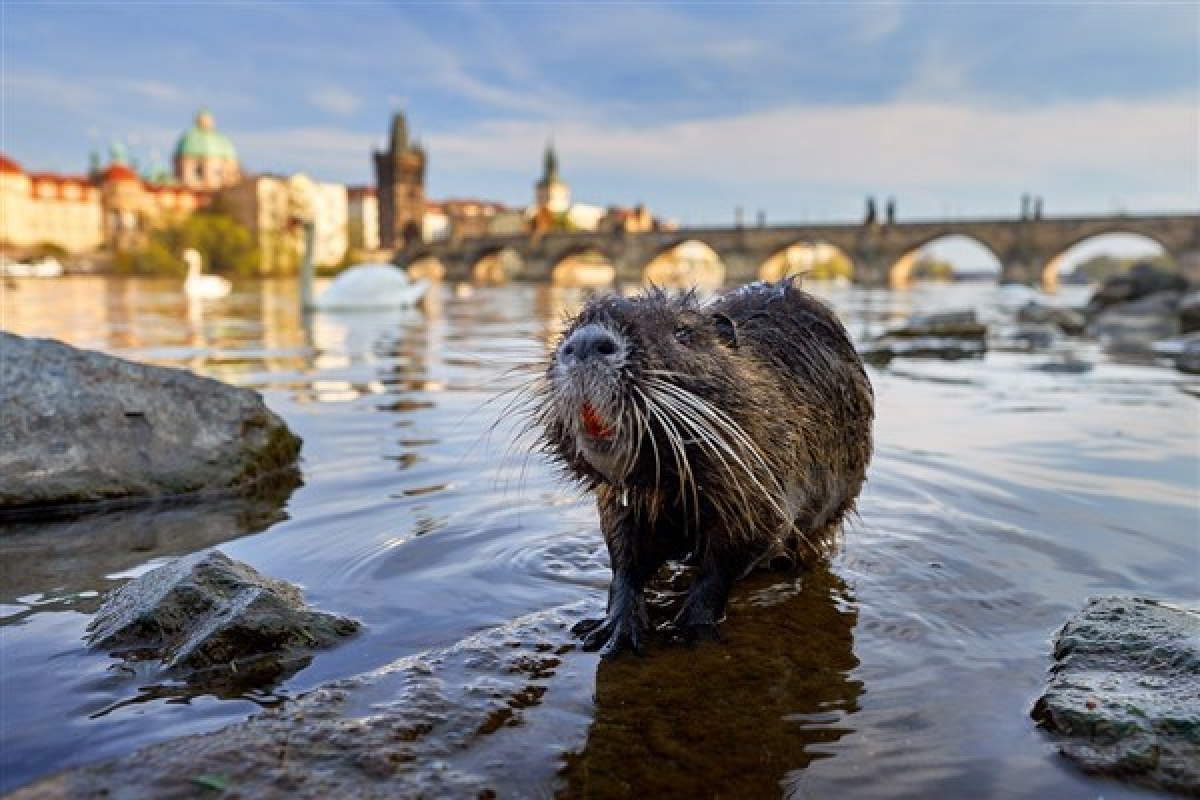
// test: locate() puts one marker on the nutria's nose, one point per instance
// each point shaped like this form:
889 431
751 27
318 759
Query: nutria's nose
590 341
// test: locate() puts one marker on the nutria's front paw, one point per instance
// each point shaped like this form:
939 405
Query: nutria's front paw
610 636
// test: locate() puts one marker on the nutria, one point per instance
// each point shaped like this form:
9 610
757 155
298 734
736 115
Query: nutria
728 432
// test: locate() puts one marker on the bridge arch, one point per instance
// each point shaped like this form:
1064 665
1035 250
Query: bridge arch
583 266
496 265
1117 241
685 263
922 257
817 260
427 267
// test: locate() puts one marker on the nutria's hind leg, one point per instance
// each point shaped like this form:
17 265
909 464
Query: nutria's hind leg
706 600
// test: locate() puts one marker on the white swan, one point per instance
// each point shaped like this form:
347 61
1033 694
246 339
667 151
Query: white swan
198 285
363 286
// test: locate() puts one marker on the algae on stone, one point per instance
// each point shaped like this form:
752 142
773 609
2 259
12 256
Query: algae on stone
1124 696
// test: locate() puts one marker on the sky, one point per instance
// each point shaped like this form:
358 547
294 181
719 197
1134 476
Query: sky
796 109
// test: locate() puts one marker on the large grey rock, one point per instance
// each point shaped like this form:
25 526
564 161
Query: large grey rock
1124 699
206 612
80 427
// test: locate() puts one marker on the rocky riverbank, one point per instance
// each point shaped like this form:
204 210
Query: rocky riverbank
82 429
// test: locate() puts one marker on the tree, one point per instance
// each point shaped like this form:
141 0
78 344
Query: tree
224 243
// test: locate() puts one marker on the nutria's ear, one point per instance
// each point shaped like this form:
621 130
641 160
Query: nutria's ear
726 331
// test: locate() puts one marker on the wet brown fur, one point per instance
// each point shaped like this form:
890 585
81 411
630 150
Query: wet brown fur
794 409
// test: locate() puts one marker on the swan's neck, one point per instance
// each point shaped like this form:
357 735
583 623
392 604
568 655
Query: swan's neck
193 270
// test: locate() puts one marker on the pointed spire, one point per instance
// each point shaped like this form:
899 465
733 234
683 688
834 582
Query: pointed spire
550 168
399 141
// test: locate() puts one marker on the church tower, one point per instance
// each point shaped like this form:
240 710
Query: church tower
400 180
550 193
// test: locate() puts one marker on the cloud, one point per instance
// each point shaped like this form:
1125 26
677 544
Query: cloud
1140 145
335 100
324 153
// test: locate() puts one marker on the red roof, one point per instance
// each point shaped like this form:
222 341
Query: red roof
10 166
119 172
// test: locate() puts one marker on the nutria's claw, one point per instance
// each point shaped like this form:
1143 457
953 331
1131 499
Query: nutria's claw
613 636
586 626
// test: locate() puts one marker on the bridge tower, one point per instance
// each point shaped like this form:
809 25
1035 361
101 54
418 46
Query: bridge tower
400 181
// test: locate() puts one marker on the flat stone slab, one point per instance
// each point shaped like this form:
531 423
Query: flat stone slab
428 725
1124 696
207 613
80 427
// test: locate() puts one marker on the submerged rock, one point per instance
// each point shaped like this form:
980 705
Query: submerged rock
1133 326
1124 699
1142 280
435 724
1184 352
881 351
207 613
1189 312
943 325
81 427
948 335
1067 320
81 555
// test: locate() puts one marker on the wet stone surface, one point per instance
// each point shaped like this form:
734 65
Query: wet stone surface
1124 699
81 427
205 615
429 725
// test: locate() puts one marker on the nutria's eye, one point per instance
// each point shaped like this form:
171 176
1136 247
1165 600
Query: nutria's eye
683 335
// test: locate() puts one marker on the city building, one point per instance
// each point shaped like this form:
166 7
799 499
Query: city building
264 204
363 211
629 220
204 157
400 183
80 214
435 225
469 217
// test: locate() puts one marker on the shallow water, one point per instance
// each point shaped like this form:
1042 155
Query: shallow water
1002 494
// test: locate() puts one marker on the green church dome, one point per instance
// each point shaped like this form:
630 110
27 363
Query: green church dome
203 140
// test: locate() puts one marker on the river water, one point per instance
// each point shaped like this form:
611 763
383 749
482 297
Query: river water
1003 493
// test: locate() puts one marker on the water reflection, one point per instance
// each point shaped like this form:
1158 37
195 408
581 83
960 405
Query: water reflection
1005 490
69 562
734 719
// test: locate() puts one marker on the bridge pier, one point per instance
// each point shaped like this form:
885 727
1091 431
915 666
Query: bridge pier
1189 266
1022 272
740 268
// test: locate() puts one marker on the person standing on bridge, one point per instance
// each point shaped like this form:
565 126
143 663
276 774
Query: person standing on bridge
891 211
870 218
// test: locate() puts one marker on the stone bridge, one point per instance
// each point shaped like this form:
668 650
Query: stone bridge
1028 250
